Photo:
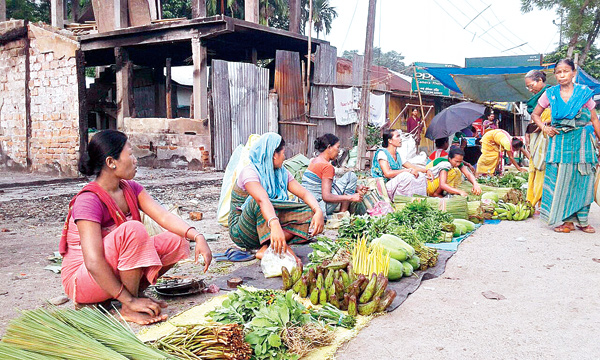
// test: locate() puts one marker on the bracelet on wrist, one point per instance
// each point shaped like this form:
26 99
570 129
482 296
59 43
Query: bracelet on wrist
116 297
198 234
188 230
271 219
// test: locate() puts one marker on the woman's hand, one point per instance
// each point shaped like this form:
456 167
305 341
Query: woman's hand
429 174
361 189
462 193
317 223
476 190
202 249
278 242
414 172
550 131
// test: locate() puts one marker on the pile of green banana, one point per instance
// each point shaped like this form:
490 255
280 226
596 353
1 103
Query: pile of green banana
342 288
508 211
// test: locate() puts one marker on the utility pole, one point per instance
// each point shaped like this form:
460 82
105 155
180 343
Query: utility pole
310 25
366 87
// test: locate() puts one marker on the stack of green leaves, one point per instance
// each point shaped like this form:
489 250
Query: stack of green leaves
330 315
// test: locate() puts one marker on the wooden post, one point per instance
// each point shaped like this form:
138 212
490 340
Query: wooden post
254 56
198 9
366 86
306 89
295 12
200 92
168 90
74 10
121 14
420 100
251 9
57 13
124 78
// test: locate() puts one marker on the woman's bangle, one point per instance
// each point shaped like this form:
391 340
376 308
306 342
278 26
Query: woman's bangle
116 297
271 219
196 237
188 230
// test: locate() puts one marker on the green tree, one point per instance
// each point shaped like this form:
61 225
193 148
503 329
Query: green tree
323 15
591 66
391 59
581 21
30 10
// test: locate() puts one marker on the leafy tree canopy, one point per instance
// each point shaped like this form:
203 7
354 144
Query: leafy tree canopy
391 59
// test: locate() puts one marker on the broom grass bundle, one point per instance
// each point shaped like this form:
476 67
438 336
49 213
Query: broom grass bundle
207 342
370 259
11 352
109 331
40 332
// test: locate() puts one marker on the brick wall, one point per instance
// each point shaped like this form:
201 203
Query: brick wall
172 142
53 100
13 150
54 103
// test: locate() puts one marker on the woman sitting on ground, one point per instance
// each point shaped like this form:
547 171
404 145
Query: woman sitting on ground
402 177
331 194
261 213
448 175
107 252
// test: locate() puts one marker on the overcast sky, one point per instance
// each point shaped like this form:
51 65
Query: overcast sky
432 30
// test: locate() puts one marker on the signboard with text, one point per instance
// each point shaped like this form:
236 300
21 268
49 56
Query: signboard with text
504 61
427 83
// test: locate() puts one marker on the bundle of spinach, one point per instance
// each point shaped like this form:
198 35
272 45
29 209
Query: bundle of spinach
508 180
265 314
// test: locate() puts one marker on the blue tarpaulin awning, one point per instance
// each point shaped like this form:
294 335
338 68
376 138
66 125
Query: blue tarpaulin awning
586 79
490 84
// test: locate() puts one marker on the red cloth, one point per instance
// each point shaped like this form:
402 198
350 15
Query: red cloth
115 212
438 153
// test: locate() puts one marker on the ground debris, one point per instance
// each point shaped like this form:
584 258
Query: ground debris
492 295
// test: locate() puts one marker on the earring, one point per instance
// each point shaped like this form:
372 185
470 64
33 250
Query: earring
114 167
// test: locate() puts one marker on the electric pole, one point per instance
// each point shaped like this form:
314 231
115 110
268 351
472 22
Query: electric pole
366 87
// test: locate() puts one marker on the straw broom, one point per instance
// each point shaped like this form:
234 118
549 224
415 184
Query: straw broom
11 352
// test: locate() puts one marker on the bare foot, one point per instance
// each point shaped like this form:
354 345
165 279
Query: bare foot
260 253
141 318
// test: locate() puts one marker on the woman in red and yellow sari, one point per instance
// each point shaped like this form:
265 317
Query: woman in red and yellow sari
107 251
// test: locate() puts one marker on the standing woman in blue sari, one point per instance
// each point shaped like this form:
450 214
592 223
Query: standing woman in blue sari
571 156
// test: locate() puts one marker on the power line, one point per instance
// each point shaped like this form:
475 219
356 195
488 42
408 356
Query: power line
349 26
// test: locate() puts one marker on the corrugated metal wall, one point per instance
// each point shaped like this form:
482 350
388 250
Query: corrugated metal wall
241 104
321 95
288 85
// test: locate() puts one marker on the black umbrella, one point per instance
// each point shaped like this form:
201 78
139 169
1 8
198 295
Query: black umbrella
454 118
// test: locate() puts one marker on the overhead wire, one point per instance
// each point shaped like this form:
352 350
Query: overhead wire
349 26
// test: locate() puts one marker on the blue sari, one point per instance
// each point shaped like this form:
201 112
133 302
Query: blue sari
570 160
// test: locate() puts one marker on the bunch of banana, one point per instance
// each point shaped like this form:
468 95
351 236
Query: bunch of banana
508 211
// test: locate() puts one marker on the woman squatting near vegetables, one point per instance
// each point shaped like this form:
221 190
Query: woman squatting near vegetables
107 251
401 177
332 194
447 175
571 158
261 212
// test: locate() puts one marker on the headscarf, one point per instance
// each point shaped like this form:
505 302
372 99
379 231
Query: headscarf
376 170
532 103
274 181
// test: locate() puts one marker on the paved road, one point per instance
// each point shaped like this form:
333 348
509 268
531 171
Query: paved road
551 311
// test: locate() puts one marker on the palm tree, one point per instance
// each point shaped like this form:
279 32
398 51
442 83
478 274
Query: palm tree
323 16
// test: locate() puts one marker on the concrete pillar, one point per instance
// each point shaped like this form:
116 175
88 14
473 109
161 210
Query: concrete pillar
198 8
57 13
200 92
2 10
124 79
251 9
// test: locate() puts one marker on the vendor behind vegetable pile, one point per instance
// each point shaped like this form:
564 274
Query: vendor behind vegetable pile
331 194
261 213
448 175
441 145
492 144
402 177
107 251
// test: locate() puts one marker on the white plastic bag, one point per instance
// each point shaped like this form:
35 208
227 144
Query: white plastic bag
420 159
272 262
408 150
